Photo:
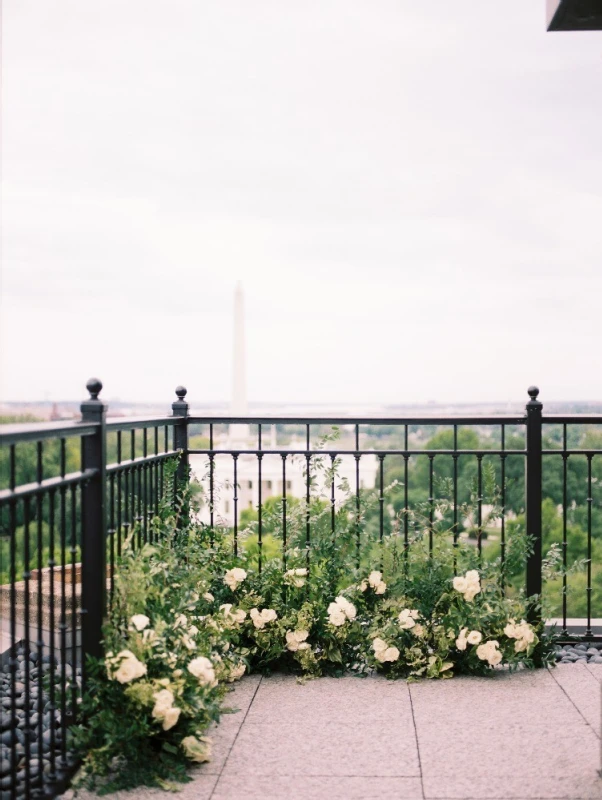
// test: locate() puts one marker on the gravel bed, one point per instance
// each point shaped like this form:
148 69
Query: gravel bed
39 752
579 653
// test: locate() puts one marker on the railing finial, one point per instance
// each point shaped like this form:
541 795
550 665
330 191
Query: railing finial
181 392
533 393
94 386
180 407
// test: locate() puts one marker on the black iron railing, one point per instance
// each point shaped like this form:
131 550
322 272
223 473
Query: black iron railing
74 492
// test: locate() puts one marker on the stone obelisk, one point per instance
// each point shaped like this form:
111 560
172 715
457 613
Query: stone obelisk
239 434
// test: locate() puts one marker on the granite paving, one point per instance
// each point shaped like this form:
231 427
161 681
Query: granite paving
526 736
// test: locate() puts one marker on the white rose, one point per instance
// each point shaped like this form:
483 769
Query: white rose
379 645
474 637
203 671
495 657
208 597
380 588
460 584
391 654
197 749
188 643
234 576
405 619
163 700
193 630
171 717
461 640
470 593
337 618
181 621
510 630
380 656
240 615
374 578
346 607
304 645
472 577
363 586
296 577
269 615
292 643
129 669
418 630
139 621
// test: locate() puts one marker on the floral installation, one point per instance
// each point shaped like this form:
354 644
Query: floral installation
188 618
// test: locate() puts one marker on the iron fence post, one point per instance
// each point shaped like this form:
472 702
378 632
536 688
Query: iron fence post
180 408
94 525
533 481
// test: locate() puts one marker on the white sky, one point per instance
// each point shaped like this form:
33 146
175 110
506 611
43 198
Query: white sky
411 193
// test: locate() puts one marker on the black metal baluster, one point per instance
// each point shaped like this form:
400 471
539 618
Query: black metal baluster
455 491
565 466
533 474
589 589
126 504
74 604
63 765
503 520
40 640
13 660
333 511
406 515
156 471
381 503
52 665
211 479
431 503
283 456
26 643
479 505
260 501
307 496
235 459
145 483
119 497
357 497
111 534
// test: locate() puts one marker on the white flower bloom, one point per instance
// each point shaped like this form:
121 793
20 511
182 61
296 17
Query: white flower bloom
337 618
380 588
208 597
461 641
379 645
197 749
233 577
164 709
171 717
188 643
262 618
346 607
149 635
474 637
304 646
139 621
374 578
460 584
489 652
193 630
181 621
470 593
129 669
472 576
296 577
295 640
363 586
236 672
418 630
510 629
203 671
414 613
391 654
405 619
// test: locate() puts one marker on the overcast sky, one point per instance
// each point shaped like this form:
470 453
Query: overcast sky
411 193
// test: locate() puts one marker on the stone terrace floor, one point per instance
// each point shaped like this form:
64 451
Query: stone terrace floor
529 735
